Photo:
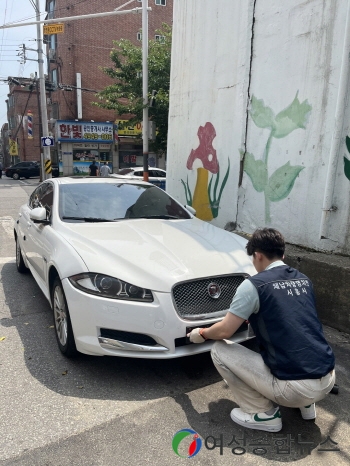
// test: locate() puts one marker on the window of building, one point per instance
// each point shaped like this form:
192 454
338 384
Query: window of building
159 38
52 41
12 122
161 2
139 36
51 12
54 76
11 101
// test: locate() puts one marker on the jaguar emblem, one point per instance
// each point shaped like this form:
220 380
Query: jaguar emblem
214 290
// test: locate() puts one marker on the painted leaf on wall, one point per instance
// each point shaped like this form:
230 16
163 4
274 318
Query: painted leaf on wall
257 172
262 115
282 181
347 141
347 168
293 117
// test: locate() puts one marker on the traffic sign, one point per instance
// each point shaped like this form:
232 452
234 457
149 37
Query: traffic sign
47 141
56 28
13 147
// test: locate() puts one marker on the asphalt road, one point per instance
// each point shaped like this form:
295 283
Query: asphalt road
120 411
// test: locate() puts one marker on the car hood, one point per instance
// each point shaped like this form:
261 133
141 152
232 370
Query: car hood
156 254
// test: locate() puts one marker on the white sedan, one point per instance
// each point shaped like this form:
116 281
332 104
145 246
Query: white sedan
128 271
156 176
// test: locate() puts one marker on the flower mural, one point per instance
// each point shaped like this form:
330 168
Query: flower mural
206 196
281 182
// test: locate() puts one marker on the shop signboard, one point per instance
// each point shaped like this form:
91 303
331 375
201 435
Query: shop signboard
84 132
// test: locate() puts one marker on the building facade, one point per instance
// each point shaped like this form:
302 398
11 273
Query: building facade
23 118
75 59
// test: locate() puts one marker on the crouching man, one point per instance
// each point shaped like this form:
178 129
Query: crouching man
295 367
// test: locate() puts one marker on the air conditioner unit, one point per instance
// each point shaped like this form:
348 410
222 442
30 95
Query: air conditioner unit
52 54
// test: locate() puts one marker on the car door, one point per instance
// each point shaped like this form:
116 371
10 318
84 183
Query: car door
32 169
37 247
24 169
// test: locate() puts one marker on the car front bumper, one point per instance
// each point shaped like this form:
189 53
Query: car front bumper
157 321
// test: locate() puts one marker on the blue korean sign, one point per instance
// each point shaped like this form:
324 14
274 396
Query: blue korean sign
84 131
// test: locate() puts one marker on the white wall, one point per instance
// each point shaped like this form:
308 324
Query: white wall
297 50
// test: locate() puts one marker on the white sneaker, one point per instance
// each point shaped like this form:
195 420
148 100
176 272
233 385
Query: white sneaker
308 412
259 421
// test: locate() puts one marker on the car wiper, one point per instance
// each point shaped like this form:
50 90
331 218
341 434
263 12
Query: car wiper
165 217
88 219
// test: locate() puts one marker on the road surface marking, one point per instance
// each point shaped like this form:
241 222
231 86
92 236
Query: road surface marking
7 223
7 260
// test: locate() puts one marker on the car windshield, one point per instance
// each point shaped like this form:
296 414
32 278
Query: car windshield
106 202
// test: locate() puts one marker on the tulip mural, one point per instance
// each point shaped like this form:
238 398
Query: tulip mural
281 182
206 196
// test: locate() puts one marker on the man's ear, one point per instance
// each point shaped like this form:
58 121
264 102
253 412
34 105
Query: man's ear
258 256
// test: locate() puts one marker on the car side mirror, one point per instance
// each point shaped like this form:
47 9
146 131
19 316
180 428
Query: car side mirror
38 215
190 209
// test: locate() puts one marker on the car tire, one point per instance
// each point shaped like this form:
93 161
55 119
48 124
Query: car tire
21 266
62 323
15 176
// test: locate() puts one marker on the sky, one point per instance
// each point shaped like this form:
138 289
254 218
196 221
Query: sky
10 39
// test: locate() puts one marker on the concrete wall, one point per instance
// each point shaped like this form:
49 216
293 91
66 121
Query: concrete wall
258 105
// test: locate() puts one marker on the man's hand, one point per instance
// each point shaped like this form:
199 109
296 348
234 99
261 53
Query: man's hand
195 337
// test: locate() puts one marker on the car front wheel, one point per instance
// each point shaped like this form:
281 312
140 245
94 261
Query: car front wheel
21 267
15 176
63 326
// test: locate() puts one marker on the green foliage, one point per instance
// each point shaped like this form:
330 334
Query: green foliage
293 117
262 115
188 193
347 161
282 181
257 172
214 198
125 95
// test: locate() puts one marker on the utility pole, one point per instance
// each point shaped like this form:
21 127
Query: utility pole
145 87
45 158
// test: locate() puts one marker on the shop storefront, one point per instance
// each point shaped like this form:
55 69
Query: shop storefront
80 143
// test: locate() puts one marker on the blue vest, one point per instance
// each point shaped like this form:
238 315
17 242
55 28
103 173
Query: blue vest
287 327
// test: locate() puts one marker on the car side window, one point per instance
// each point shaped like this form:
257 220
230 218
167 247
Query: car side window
138 173
46 198
34 198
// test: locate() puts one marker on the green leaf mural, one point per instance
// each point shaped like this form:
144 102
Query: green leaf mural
262 116
281 182
347 168
347 161
257 172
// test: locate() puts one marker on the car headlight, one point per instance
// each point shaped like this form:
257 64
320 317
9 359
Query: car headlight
109 287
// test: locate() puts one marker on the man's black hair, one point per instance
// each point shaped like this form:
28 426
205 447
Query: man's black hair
268 241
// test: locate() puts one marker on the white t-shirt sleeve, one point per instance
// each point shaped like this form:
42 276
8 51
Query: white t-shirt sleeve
246 300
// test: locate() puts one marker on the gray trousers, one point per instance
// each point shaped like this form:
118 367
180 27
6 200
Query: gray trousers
253 386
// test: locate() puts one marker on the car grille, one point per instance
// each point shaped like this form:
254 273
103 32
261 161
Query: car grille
192 300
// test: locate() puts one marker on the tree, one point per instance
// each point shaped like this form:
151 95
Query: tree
125 95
